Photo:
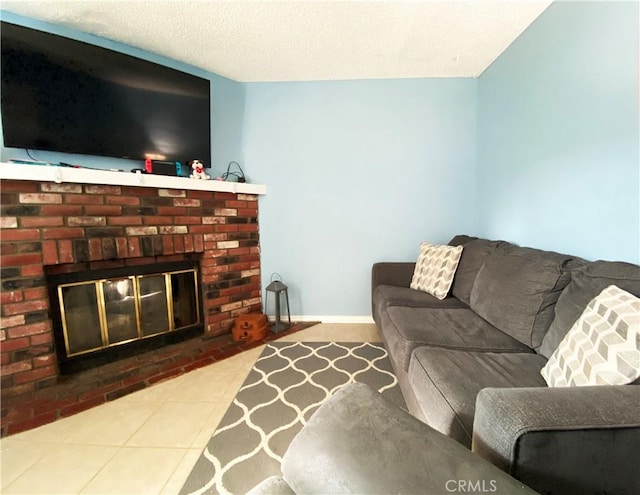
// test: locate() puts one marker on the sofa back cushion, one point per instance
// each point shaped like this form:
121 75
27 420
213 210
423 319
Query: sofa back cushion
473 257
460 240
517 288
586 283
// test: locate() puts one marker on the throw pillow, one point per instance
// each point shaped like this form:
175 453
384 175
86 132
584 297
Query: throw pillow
603 345
435 269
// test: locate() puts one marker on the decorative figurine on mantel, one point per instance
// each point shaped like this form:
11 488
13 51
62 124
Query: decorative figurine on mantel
198 170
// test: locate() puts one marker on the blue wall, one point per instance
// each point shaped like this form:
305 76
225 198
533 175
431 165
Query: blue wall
542 150
358 172
558 134
227 106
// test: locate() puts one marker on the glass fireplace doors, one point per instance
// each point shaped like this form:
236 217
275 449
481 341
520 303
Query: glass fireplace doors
98 314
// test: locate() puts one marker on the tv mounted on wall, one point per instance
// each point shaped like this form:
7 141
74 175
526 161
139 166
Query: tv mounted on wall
64 95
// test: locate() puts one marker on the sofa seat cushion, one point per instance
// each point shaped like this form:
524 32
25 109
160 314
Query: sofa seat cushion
391 295
446 383
404 329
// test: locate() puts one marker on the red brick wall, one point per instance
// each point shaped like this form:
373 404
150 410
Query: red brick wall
94 226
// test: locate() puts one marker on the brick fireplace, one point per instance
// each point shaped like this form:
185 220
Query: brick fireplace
49 227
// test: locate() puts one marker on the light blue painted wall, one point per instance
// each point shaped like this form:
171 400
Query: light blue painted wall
358 172
227 106
362 171
558 134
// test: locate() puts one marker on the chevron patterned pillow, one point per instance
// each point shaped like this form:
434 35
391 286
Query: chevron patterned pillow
435 269
603 345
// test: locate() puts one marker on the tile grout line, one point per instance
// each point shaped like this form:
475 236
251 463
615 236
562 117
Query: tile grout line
101 469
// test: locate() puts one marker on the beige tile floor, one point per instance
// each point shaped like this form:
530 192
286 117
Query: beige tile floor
146 442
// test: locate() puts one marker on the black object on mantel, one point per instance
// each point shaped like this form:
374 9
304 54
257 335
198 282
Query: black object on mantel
60 164
164 168
229 173
157 167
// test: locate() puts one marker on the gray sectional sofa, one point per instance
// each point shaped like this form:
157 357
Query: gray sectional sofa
469 365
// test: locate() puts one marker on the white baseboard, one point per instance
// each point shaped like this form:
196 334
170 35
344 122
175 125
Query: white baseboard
330 318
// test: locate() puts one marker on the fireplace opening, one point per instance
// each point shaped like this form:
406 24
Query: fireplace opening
100 316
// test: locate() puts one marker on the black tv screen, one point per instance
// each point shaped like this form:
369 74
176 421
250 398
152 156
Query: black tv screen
64 95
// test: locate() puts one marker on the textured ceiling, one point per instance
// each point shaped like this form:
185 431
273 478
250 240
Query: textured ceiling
304 40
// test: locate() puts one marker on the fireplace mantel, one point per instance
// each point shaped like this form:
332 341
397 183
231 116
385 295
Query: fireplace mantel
44 173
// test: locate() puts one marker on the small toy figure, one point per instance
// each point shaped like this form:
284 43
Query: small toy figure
198 170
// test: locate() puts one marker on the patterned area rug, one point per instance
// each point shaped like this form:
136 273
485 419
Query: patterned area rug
289 381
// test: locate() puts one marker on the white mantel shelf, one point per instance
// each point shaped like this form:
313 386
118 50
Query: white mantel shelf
44 173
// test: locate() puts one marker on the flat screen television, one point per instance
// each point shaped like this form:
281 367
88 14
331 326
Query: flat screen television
64 95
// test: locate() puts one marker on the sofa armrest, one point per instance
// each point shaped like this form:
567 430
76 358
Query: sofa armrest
272 486
359 442
392 273
567 440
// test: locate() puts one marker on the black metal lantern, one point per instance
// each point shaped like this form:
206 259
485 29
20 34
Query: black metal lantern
279 290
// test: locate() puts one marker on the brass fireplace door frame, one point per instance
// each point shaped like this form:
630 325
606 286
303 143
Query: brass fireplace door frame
99 285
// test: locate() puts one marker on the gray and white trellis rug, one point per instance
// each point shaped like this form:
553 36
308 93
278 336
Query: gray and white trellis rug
288 382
